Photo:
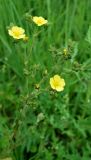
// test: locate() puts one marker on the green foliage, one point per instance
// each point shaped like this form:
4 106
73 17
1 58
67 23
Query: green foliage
36 122
88 38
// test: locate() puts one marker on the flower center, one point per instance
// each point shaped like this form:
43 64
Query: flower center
40 21
17 33
56 83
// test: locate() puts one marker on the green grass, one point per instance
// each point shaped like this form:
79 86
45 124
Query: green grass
42 124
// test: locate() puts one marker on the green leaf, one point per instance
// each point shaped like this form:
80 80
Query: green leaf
88 37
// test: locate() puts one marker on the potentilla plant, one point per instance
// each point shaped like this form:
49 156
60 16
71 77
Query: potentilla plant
45 118
49 87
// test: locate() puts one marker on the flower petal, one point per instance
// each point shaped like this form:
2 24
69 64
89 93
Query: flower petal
57 78
52 83
59 89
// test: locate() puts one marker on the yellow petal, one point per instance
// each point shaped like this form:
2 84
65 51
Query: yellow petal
62 82
10 32
19 29
52 83
18 37
59 89
57 78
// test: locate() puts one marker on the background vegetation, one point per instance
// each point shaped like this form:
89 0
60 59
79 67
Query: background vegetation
37 123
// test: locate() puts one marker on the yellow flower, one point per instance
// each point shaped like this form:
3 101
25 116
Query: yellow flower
39 20
16 32
57 83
